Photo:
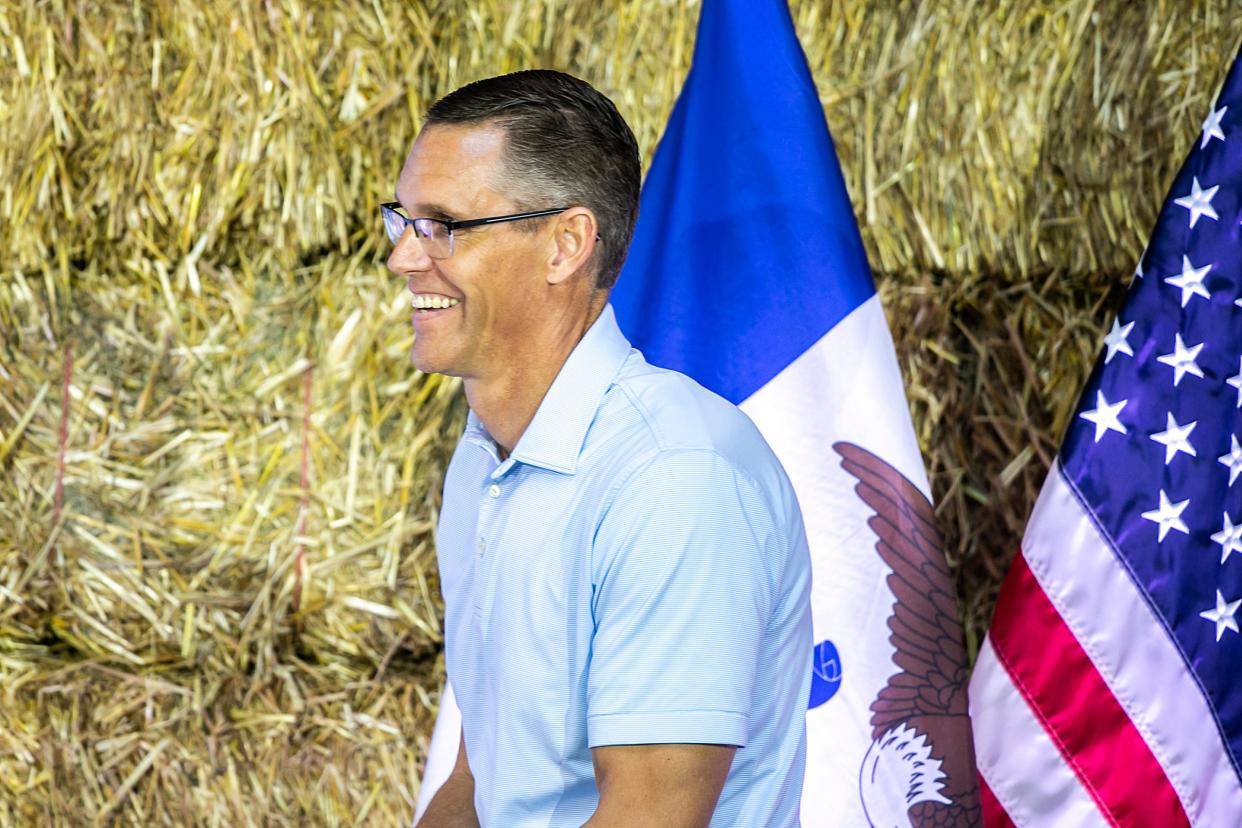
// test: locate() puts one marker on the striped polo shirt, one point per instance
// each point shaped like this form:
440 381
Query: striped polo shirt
635 572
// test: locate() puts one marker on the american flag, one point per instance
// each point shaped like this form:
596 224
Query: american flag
1109 688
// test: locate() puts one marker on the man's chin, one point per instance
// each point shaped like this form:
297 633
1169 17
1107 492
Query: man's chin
433 363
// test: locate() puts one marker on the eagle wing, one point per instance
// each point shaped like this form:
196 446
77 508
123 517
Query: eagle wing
929 691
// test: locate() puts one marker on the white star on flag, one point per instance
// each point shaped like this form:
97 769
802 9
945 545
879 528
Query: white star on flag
1168 515
1116 341
1182 360
1138 269
1236 382
1229 538
1105 416
1190 281
1233 460
1222 616
1211 126
1175 438
1199 202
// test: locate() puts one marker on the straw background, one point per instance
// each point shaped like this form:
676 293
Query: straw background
218 472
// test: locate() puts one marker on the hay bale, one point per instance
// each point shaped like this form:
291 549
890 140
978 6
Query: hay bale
219 474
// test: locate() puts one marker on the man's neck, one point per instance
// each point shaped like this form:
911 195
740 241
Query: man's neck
506 402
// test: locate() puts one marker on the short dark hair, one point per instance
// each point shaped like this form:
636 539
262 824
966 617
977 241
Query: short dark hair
565 142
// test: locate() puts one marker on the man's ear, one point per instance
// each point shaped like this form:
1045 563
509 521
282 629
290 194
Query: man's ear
573 242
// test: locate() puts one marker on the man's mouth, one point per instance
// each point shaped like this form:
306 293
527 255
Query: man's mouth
432 301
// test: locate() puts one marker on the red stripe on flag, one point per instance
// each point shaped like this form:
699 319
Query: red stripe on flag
1084 719
994 814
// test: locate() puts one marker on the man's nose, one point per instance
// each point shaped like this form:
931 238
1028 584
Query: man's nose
408 255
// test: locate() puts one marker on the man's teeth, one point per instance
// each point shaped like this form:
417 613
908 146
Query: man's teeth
428 301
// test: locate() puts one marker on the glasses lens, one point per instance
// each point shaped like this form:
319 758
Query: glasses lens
394 223
435 236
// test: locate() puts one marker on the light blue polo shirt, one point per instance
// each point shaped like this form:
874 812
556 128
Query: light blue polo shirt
636 572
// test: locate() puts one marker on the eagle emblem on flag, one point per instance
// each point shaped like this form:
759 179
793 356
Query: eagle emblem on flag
920 769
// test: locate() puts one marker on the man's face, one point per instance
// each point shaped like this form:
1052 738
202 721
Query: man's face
496 271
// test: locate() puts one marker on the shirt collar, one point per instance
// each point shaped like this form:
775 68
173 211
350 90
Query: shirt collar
555 436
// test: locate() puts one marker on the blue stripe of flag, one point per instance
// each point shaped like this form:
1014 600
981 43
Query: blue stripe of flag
746 250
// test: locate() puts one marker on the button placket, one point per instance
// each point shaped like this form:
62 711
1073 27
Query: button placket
493 492
484 564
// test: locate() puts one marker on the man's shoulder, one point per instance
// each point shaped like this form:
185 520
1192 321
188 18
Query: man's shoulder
658 411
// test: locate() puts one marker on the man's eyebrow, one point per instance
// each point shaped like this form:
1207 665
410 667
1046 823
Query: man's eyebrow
434 211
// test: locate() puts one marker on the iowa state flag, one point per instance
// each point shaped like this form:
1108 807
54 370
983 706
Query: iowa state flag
747 272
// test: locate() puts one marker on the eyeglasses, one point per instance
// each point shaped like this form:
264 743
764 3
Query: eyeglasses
436 235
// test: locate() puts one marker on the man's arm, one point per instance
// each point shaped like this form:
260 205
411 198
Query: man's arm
453 804
670 786
683 594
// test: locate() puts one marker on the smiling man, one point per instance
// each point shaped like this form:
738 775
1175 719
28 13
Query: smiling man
625 572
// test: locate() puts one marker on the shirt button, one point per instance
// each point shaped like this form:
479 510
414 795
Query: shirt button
482 547
494 490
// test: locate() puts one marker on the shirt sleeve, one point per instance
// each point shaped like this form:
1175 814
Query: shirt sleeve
682 594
